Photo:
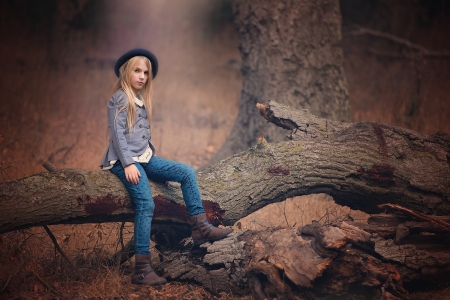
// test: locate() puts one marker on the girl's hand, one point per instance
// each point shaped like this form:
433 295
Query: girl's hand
132 174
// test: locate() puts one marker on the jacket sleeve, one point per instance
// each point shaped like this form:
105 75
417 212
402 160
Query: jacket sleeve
117 125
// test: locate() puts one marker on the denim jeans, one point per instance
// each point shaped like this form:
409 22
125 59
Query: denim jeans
158 169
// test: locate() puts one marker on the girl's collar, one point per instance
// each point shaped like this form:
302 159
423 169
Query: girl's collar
138 100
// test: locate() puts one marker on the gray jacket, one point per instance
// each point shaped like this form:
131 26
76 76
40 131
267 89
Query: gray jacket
123 145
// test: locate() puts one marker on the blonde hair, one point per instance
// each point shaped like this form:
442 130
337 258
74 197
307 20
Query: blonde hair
146 92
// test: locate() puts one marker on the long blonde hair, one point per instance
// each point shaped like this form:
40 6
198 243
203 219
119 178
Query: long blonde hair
146 92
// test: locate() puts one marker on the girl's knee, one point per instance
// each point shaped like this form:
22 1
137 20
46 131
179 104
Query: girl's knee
151 207
146 206
190 171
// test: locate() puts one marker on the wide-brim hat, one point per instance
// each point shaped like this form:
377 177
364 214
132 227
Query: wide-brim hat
137 52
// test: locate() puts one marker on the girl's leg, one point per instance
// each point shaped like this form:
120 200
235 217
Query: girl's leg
160 169
142 197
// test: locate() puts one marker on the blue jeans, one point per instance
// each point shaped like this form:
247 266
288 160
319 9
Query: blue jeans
158 169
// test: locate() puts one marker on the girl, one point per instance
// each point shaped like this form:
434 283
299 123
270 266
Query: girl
131 157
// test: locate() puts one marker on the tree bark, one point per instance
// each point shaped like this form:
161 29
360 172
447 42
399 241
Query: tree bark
290 52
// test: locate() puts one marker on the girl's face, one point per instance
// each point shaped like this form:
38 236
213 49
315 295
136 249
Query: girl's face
139 76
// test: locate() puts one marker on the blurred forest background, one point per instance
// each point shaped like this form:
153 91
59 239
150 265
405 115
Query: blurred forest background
57 59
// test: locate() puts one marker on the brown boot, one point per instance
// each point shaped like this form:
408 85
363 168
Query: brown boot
143 272
203 231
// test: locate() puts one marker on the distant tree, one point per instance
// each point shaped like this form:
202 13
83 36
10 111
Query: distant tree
291 53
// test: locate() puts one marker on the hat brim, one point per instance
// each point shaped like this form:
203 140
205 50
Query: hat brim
137 52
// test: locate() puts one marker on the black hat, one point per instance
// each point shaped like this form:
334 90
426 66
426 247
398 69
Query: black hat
133 53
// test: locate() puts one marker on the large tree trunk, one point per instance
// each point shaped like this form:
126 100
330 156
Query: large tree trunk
362 165
290 52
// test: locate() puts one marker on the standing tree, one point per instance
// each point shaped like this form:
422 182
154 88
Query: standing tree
290 52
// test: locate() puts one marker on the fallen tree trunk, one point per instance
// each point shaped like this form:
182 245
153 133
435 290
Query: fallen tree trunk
360 165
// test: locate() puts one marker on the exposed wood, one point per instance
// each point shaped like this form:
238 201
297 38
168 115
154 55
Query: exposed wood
265 261
328 237
49 166
398 226
418 248
314 261
357 236
384 220
443 225
415 258
300 122
386 232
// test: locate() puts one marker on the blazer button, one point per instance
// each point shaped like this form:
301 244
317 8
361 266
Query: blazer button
140 125
140 115
143 136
